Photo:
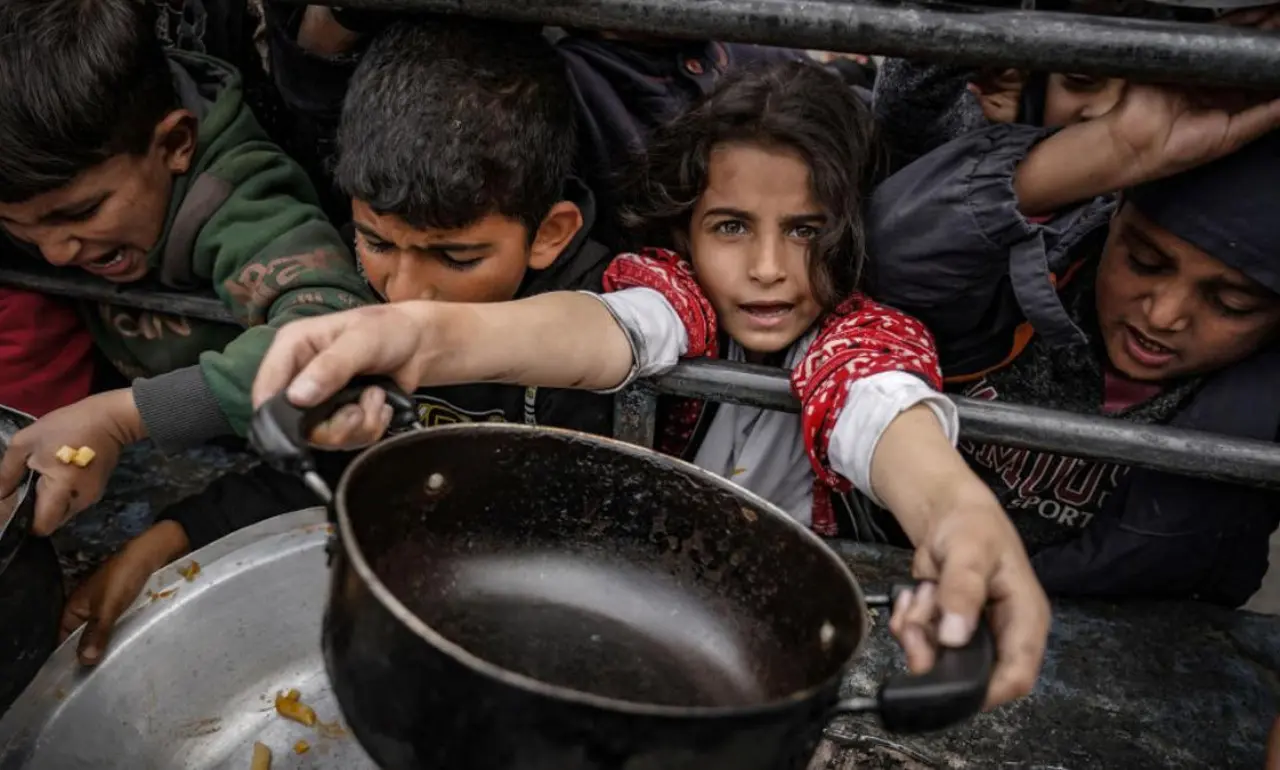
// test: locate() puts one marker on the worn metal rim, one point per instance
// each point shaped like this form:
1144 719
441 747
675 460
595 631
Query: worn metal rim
354 554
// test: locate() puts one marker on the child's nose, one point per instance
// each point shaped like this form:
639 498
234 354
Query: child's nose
59 251
767 262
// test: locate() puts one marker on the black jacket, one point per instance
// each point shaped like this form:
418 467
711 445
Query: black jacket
949 246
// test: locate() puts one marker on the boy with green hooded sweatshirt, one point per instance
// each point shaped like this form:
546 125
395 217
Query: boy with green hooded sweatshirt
139 166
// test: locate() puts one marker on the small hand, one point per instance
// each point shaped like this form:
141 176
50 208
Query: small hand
105 423
355 425
976 558
1163 130
314 358
100 601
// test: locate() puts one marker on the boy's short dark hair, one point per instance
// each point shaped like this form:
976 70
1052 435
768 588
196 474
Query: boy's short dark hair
80 81
447 121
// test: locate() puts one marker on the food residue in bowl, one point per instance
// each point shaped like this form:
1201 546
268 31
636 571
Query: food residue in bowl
190 571
301 747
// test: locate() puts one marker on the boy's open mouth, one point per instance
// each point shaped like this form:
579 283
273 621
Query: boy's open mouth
1145 350
109 259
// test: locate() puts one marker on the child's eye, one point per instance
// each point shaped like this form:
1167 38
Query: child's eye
457 264
1084 82
377 247
731 227
83 215
1232 304
804 232
1144 265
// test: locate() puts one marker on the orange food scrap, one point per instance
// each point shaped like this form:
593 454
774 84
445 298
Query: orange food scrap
301 747
190 571
261 757
293 708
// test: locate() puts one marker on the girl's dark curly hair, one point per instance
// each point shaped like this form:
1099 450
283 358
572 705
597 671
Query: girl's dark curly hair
797 105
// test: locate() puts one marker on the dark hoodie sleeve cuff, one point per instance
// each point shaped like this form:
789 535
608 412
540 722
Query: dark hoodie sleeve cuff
179 410
990 195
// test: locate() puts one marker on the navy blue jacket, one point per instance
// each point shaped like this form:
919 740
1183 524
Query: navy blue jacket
949 246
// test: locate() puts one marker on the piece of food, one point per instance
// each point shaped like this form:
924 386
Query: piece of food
293 708
261 757
190 571
301 747
84 456
66 454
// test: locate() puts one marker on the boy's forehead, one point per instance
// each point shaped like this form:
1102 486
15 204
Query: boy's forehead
89 187
1138 224
489 229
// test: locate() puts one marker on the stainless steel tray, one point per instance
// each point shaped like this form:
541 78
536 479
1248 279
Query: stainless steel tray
190 678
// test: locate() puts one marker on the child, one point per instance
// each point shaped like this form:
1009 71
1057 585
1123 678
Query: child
136 166
1164 310
761 185
454 149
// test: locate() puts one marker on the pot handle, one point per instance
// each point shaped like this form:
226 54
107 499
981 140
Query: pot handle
952 691
278 431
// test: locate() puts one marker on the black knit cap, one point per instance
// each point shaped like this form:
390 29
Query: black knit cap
1229 209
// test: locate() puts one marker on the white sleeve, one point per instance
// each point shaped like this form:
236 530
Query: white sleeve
873 403
656 333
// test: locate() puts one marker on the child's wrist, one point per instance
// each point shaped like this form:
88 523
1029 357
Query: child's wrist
124 413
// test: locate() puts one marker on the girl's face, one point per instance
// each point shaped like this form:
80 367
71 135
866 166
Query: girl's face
1167 310
749 239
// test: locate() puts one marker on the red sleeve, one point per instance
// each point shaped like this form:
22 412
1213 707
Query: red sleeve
668 274
45 353
859 339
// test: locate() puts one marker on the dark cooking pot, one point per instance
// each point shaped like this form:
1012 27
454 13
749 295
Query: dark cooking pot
30 581
528 598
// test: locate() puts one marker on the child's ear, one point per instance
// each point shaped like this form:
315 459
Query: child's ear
558 228
999 93
175 139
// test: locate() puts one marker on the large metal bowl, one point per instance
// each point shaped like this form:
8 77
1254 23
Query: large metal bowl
190 678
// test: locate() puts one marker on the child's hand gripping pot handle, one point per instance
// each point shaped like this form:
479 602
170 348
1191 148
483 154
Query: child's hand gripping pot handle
280 430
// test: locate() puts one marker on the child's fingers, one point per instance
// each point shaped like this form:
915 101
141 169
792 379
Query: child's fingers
962 590
914 620
375 412
897 620
352 427
94 640
53 505
1020 620
74 615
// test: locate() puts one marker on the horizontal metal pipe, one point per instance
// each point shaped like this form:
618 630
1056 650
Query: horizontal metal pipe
1184 452
76 285
1036 40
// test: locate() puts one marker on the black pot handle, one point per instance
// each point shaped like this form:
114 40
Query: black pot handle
278 431
952 691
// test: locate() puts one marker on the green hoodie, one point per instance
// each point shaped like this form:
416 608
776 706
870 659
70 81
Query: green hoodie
244 222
